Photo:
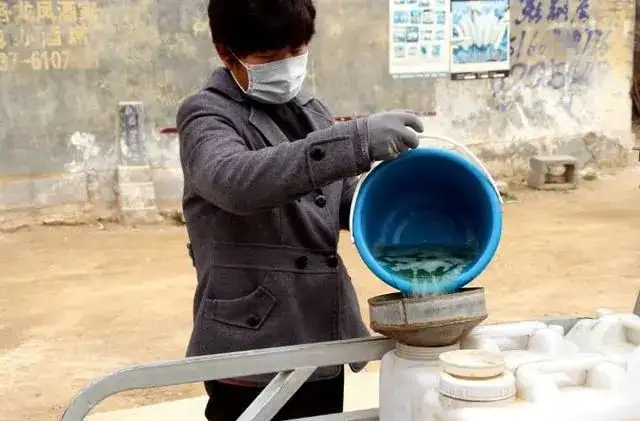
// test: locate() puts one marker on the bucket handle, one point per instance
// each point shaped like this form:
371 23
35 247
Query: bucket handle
470 154
446 139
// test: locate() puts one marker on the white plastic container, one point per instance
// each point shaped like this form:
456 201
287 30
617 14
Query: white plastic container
521 342
502 337
406 373
558 379
578 388
615 336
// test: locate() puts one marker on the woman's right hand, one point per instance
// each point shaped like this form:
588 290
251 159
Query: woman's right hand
389 133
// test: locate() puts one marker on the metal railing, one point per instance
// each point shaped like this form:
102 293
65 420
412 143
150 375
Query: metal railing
295 364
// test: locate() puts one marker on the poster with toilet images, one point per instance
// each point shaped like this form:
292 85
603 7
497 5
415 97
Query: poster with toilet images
479 39
419 38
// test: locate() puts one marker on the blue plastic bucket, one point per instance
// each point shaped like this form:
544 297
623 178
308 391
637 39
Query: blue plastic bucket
427 196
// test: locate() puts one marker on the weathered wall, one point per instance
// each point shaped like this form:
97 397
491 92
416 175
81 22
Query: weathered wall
63 73
568 92
65 64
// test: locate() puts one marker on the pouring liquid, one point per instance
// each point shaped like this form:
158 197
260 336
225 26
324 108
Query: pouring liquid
427 267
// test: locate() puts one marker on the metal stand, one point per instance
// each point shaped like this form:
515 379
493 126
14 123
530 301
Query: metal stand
293 363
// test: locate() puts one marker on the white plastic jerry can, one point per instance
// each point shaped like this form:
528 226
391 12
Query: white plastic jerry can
406 373
501 337
578 388
470 380
520 342
615 336
579 375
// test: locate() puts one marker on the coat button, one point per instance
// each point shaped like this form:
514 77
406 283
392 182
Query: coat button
253 321
332 261
302 262
320 201
317 154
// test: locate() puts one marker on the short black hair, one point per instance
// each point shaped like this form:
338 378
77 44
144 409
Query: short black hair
253 26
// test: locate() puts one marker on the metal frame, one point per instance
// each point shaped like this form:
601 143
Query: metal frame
293 363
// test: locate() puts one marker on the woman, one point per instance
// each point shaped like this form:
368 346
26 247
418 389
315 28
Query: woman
269 180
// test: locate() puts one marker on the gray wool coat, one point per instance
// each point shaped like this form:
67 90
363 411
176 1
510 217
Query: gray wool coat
263 217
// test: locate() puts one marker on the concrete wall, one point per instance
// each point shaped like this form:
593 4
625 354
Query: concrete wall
63 72
568 91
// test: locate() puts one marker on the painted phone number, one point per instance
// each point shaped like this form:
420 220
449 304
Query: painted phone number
43 60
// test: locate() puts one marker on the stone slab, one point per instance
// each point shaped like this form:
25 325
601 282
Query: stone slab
539 170
553 159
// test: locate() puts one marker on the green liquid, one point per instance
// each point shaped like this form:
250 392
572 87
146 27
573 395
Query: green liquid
427 267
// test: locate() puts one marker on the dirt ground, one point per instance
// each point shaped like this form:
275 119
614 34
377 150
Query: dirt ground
79 302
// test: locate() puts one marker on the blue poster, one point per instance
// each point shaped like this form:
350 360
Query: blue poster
479 38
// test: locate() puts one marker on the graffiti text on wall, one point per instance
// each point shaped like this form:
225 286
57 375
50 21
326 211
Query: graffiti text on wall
558 11
531 69
46 35
532 50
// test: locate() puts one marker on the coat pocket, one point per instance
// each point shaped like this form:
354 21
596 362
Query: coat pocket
248 312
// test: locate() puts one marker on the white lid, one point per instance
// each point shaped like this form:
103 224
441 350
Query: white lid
472 363
497 388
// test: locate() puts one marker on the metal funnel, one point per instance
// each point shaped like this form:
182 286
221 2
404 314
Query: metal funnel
431 321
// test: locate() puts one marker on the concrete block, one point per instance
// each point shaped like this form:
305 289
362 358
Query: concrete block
134 174
136 199
554 172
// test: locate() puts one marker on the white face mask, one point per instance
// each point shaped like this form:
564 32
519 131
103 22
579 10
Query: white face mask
277 82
